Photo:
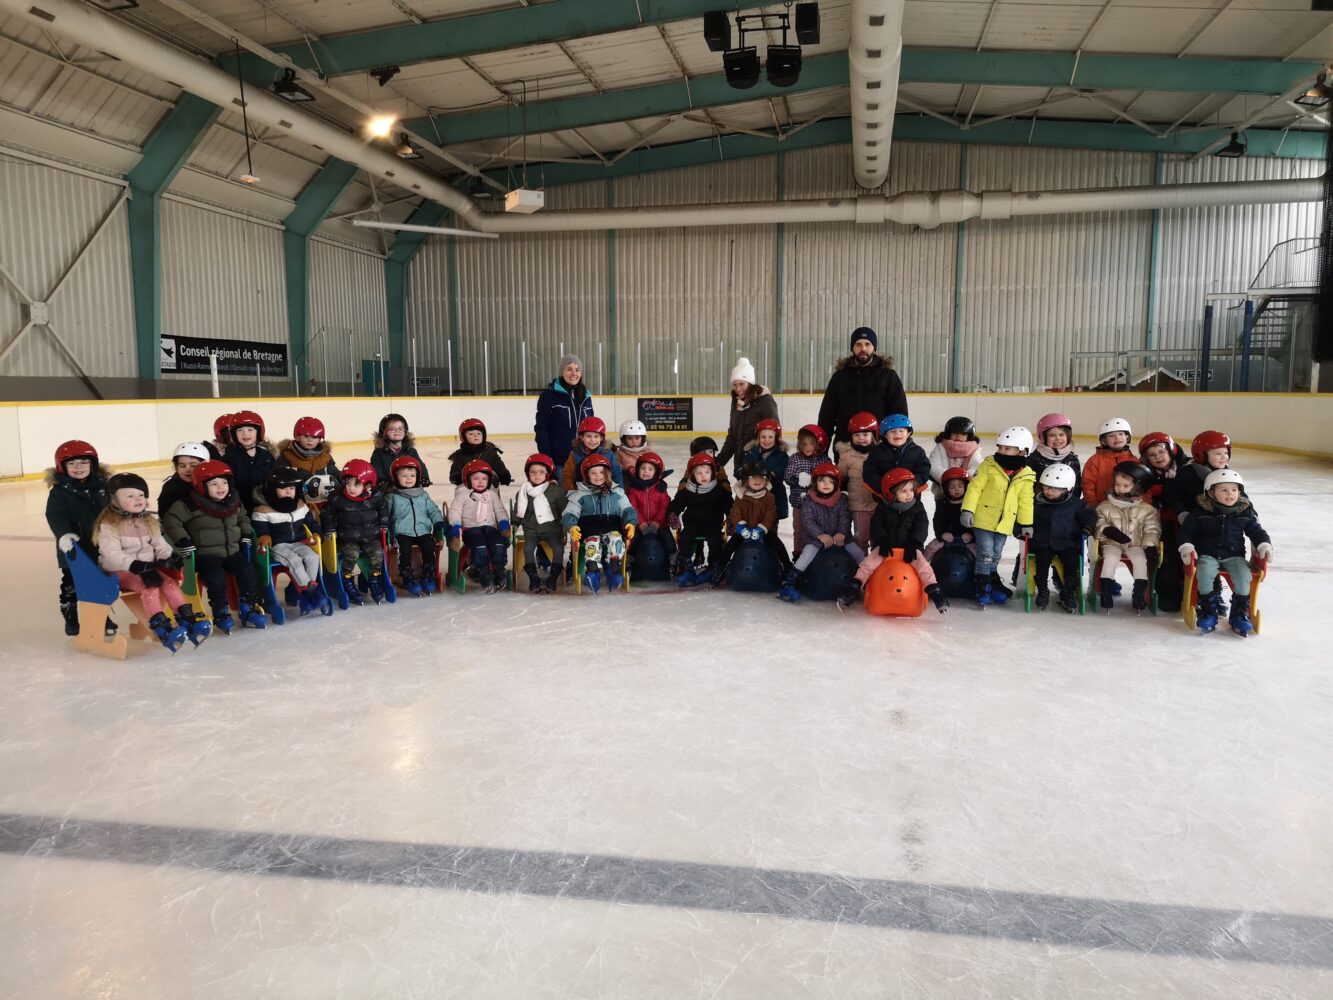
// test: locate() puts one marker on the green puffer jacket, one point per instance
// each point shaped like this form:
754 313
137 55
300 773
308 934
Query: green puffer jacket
213 529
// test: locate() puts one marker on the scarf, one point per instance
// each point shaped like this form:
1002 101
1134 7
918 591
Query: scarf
411 492
754 495
536 496
1010 463
701 488
863 449
1055 454
826 501
483 505
903 506
1124 503
960 452
394 446
221 509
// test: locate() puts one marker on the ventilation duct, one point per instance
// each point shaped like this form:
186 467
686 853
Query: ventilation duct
874 59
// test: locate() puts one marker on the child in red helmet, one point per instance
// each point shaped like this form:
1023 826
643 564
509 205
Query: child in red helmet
538 507
477 520
359 515
704 445
600 512
899 523
394 440
1129 526
769 450
700 506
250 457
1209 452
864 429
828 523
77 495
947 521
1165 460
307 450
474 447
956 447
811 452
645 487
591 440
413 520
221 437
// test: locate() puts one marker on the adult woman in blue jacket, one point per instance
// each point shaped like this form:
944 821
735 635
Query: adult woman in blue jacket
560 407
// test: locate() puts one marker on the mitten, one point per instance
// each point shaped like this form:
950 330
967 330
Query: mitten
758 533
1187 552
139 567
1264 551
1024 531
803 479
966 518
174 561
1116 535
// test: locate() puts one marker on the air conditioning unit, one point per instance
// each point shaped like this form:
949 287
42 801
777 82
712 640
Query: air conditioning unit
524 202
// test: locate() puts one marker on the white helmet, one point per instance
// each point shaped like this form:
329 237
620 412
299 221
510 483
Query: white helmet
1015 437
633 428
191 449
1058 476
319 488
1220 476
1114 424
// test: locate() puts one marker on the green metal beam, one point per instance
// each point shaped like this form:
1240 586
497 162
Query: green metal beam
317 199
405 247
1006 69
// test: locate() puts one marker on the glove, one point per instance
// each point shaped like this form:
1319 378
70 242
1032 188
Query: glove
884 549
441 527
966 519
743 529
139 567
455 531
946 538
909 553
758 533
803 479
174 561
1116 535
1024 531
1187 552
265 542
1264 551
67 542
673 522
151 577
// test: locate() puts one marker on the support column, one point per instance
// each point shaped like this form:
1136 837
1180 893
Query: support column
779 277
405 247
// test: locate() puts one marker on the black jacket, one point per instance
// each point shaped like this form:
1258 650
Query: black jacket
743 425
173 491
701 513
356 520
381 460
899 529
1219 531
1039 463
883 456
73 505
1060 526
250 471
948 519
873 388
485 451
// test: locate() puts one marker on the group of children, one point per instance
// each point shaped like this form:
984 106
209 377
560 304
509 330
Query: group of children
238 492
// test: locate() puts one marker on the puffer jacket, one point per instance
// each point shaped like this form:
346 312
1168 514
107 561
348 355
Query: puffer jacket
1219 531
743 423
1133 516
469 509
381 459
72 506
214 529
250 471
997 500
359 521
569 475
274 527
559 410
1061 525
798 463
701 512
947 455
289 456
754 511
884 456
851 463
899 529
651 504
123 540
1099 473
487 452
854 388
598 511
413 513
526 514
775 460
826 517
1042 458
1183 493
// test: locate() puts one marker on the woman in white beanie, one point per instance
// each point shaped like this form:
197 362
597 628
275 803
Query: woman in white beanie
750 403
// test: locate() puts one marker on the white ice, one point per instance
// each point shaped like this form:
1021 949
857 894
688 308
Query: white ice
1119 759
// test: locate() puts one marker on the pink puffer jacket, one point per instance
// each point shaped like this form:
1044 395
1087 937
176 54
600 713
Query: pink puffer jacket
122 540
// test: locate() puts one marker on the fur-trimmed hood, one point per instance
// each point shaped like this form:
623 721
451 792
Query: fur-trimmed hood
1209 505
103 473
751 394
876 361
780 446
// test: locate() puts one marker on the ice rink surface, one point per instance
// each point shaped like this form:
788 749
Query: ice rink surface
675 795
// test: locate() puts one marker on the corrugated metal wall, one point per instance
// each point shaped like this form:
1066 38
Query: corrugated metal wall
428 303
348 318
49 215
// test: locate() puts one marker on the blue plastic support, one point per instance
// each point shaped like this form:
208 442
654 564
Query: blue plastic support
1246 331
1206 356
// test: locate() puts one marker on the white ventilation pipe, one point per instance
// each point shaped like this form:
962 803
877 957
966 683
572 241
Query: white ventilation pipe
103 33
874 61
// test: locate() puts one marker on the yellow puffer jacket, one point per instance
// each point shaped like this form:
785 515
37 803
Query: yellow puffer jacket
1135 518
997 500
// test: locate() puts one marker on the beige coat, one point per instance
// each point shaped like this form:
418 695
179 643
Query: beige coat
850 464
1136 518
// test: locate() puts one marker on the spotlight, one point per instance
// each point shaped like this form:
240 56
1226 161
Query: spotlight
1319 93
383 74
405 150
784 65
250 179
741 67
288 89
807 23
1234 149
380 126
717 30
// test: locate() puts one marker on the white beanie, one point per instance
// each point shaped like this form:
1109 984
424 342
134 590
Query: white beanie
744 371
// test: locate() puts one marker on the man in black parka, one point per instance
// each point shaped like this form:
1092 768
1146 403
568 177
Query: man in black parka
862 382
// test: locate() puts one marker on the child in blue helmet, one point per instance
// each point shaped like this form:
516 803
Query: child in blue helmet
896 450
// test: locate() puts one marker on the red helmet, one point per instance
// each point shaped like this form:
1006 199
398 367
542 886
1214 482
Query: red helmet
954 472
247 418
404 462
594 461
863 421
312 426
74 449
1206 441
769 425
592 425
545 461
816 432
360 470
212 469
222 427
1156 437
893 478
698 459
477 465
471 424
827 469
652 458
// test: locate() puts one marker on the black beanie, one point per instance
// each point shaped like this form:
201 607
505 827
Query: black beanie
864 333
126 481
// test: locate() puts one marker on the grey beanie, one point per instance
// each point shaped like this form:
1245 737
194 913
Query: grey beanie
570 359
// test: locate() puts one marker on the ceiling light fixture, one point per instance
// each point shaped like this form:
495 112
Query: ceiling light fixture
249 177
1236 148
741 67
405 150
383 74
288 89
381 126
115 5
741 64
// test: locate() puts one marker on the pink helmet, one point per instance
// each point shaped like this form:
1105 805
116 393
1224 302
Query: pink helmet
1053 420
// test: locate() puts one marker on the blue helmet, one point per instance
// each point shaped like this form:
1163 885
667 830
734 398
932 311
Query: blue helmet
894 421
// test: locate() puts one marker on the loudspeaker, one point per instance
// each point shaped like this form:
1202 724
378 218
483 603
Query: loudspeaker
717 30
741 67
1321 4
784 65
807 23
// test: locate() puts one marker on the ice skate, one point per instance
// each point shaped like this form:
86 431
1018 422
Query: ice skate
982 585
1139 599
251 613
937 597
223 621
1108 592
171 636
1042 598
1205 616
999 592
790 591
195 625
1239 619
850 594
352 591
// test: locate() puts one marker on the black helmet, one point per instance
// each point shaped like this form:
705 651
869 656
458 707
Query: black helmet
126 481
1141 474
702 444
278 478
959 425
753 469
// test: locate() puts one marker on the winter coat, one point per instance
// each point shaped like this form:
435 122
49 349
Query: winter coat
465 509
569 475
72 505
1099 473
796 464
1182 494
821 518
1163 480
755 512
997 500
598 511
899 529
173 489
1042 458
559 410
1061 525
1134 517
526 514
412 513
250 471
312 465
381 459
743 425
651 504
214 529
947 455
123 540
722 478
1219 531
701 513
948 519
358 521
851 463
629 457
775 460
487 452
852 389
884 456
274 527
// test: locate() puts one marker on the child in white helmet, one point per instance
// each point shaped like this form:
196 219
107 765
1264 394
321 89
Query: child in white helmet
1113 447
998 502
1215 533
184 458
633 443
1059 524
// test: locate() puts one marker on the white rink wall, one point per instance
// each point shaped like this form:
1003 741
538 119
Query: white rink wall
133 432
